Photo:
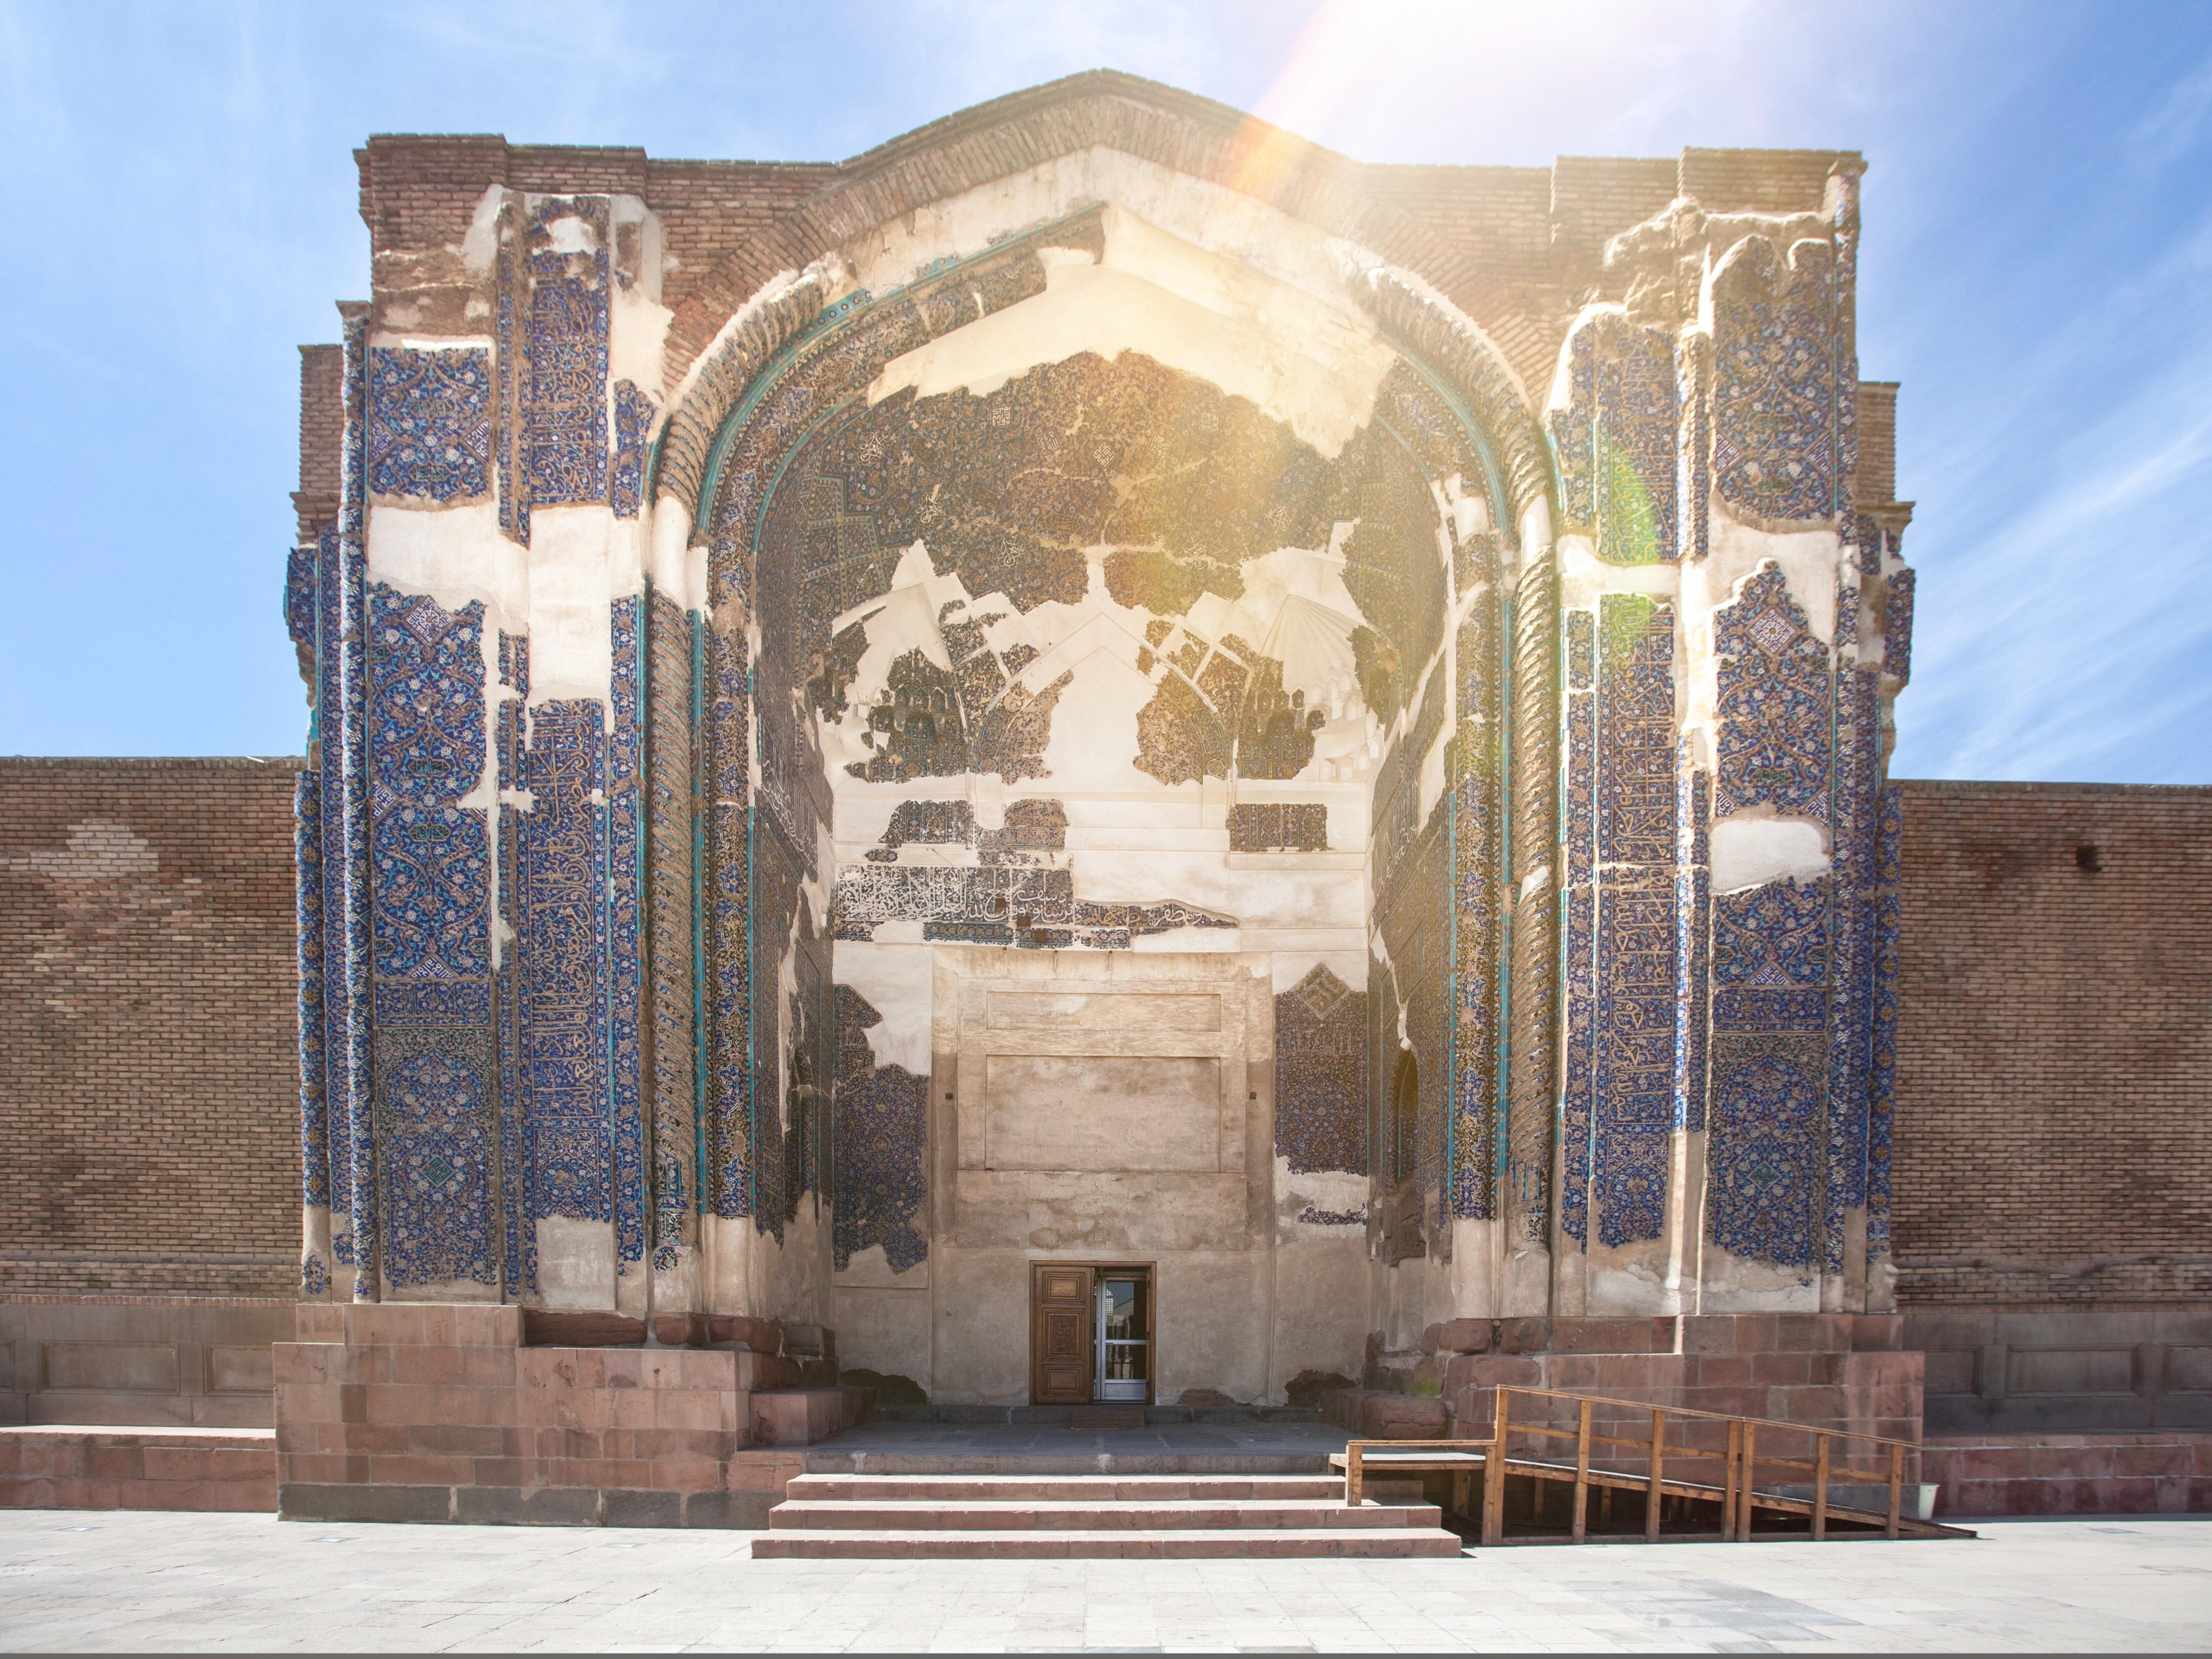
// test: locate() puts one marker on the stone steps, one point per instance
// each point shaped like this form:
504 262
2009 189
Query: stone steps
830 1516
1061 1488
1217 1542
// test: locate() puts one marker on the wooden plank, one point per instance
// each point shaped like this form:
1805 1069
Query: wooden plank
1354 1485
1821 1491
1658 1457
1750 1468
1581 1528
1493 1471
1896 1485
1727 1497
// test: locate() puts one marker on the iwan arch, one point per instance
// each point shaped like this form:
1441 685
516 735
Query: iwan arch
1101 688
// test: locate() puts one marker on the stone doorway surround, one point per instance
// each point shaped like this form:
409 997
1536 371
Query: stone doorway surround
1170 1162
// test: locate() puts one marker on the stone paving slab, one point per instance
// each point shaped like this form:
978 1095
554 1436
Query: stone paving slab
103 1581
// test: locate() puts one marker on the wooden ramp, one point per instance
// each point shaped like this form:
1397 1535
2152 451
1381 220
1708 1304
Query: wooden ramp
1613 1464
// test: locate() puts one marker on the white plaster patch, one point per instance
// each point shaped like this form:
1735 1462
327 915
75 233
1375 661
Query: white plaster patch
576 1262
1583 576
1753 849
637 322
677 568
455 556
480 244
571 586
896 980
570 234
1313 367
1288 967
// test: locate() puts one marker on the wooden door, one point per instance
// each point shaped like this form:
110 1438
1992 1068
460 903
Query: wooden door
1061 1336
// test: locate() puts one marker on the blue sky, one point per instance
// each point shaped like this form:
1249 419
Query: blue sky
2038 271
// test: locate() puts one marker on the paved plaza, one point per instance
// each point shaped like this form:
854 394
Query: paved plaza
111 1580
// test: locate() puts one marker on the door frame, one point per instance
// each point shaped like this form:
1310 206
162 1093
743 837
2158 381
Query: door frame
1150 1269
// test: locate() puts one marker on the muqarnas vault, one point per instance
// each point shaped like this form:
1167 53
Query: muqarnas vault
1109 687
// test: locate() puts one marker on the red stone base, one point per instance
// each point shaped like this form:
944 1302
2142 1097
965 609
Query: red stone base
51 1468
422 1412
2155 1472
1824 1370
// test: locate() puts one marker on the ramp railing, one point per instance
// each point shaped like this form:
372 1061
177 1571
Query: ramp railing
1667 1446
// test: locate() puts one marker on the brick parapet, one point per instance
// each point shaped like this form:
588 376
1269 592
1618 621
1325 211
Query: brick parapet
1512 246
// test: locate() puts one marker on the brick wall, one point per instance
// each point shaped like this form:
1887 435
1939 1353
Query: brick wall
2054 1068
149 1076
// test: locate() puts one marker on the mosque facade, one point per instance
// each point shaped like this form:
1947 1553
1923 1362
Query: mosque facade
1097 721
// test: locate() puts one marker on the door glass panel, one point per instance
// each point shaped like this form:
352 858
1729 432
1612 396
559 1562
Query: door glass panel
1122 1346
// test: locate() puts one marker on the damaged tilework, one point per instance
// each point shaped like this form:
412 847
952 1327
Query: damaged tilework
1635 927
633 416
436 1124
1476 768
725 1185
625 859
1855 835
1771 1060
1617 438
671 921
881 1146
429 424
1774 381
300 613
1773 936
328 749
509 740
564 411
563 1004
1896 624
1321 1075
1767 1107
1024 905
1775 703
307 865
1279 827
434 1064
1693 938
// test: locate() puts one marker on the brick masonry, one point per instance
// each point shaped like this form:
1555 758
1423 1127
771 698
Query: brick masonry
149 1085
2053 1144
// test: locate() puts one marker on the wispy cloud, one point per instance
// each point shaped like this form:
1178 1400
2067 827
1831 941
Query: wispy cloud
2038 261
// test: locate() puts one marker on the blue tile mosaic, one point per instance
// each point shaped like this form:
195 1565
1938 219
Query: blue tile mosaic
308 857
1635 932
436 1142
1766 1116
359 1242
1896 624
881 1129
625 868
672 643
429 424
1693 939
1775 386
564 409
1773 935
1321 1074
564 1058
633 416
1775 703
1617 440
